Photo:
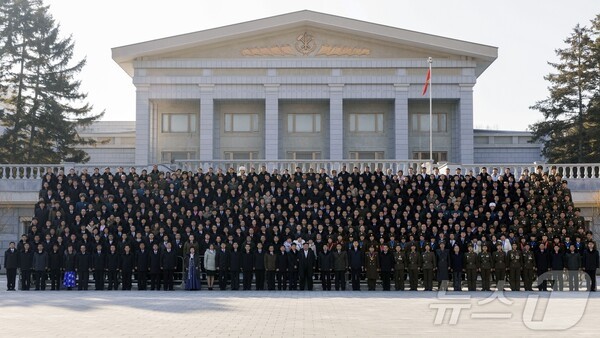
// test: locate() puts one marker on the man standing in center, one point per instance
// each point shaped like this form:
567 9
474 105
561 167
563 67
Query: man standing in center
306 263
386 265
471 265
399 268
414 265
355 260
428 266
515 264
326 262
340 262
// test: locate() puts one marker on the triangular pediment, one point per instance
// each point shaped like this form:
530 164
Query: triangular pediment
305 34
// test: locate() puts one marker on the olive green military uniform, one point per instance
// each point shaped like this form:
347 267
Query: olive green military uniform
414 263
372 269
499 266
515 265
428 264
485 266
399 270
471 264
528 266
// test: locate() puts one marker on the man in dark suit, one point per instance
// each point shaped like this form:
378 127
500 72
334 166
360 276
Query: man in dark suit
247 266
259 266
306 263
340 263
355 260
168 263
386 264
142 266
542 265
281 268
154 262
293 267
99 266
222 262
11 263
113 265
235 261
591 262
83 264
326 267
25 260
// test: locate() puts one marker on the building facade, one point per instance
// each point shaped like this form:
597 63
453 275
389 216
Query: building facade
303 85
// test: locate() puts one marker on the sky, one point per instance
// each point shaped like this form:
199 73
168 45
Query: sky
527 32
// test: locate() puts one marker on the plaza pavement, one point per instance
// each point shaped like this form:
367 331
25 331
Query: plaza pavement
294 314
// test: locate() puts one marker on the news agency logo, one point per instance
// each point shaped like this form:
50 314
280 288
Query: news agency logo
540 311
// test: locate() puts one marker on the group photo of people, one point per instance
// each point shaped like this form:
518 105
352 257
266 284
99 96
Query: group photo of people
356 228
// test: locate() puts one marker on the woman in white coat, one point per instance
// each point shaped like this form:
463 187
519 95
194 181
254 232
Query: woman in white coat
210 265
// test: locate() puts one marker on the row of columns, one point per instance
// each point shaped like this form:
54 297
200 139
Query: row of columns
336 150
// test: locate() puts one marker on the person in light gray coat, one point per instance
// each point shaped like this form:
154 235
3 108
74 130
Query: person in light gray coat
210 265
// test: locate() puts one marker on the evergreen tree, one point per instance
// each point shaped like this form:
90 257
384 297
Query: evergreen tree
42 98
566 132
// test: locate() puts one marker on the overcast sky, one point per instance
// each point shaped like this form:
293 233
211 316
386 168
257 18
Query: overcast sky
526 32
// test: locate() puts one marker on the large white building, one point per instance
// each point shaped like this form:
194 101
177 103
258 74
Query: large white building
307 85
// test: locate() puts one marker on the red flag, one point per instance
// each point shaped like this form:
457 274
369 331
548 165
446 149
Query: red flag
427 80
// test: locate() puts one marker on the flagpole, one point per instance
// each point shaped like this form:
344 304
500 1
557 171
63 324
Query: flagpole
430 61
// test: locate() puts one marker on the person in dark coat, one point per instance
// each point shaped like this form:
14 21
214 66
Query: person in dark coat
222 261
25 265
40 266
591 262
142 266
457 266
340 266
127 266
515 266
154 260
168 265
11 264
325 262
281 263
485 268
542 265
113 266
259 266
557 264
83 265
442 260
499 266
413 259
235 261
69 267
386 265
293 267
573 266
428 265
399 268
306 263
355 262
247 267
270 267
99 267
55 265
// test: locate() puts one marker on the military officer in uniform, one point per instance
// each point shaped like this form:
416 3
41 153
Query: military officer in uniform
428 265
485 267
528 267
414 264
499 266
471 264
399 268
372 268
515 264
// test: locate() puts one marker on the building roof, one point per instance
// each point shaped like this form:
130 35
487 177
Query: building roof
483 55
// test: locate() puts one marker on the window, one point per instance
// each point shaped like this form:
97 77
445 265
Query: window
369 123
366 155
304 123
420 122
503 139
438 156
482 140
170 156
241 123
240 155
303 155
178 123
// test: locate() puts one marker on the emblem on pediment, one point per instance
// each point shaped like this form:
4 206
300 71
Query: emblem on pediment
306 45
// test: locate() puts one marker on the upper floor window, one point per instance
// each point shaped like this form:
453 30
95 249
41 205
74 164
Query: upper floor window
370 123
420 122
304 123
178 123
241 123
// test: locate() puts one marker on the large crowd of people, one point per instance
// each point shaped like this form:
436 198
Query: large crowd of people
253 229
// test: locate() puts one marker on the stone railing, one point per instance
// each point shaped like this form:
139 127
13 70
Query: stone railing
568 171
27 171
305 165
37 171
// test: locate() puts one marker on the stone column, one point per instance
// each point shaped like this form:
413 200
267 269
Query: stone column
466 124
336 122
206 122
142 125
271 121
401 122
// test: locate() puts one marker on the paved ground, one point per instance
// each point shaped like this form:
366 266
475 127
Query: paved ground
295 314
